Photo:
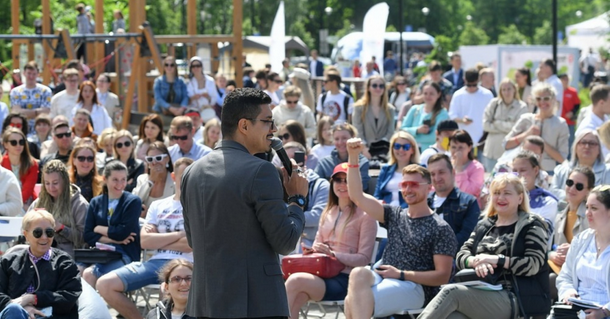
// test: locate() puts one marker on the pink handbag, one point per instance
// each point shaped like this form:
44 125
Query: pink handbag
321 265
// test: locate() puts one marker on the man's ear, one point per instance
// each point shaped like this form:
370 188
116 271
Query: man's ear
243 125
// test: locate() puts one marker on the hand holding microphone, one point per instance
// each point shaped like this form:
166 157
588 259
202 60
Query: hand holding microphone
295 182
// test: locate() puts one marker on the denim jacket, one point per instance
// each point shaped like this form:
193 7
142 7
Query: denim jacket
461 211
385 175
161 89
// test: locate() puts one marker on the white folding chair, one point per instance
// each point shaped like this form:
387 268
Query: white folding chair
413 313
146 292
10 226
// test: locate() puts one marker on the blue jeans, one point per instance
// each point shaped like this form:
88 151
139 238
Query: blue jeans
14 311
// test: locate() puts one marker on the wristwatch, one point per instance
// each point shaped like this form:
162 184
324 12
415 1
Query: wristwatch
297 199
501 261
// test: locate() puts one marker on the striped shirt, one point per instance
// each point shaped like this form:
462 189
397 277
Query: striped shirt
591 272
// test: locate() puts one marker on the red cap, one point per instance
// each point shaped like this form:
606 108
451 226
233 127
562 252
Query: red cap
341 168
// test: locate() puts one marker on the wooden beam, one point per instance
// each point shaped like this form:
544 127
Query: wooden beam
65 36
192 26
48 53
99 28
133 16
166 39
215 58
237 42
15 25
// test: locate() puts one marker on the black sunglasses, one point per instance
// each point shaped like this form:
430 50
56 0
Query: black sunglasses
37 232
170 65
278 81
284 136
62 135
195 65
579 186
471 85
182 138
120 145
339 180
15 142
292 102
380 86
82 159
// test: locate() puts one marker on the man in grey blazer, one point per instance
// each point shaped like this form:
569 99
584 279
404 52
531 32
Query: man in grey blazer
236 220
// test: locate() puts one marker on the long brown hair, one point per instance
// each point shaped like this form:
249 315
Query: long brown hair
154 119
167 269
365 101
96 181
438 105
25 159
80 92
333 201
320 136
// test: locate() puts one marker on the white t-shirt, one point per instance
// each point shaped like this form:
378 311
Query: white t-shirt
99 116
555 82
333 106
62 103
198 136
437 202
275 100
392 187
427 153
166 214
192 88
472 105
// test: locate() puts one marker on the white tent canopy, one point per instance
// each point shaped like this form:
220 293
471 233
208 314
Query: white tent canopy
592 33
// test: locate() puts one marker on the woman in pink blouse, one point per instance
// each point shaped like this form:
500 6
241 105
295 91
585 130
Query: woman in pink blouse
345 232
469 173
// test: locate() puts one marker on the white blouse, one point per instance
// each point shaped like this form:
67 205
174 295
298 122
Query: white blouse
591 272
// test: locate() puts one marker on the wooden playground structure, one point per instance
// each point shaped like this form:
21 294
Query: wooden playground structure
59 47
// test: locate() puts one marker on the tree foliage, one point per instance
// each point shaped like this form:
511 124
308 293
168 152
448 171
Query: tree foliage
472 35
511 35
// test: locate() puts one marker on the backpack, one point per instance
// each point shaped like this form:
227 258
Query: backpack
345 104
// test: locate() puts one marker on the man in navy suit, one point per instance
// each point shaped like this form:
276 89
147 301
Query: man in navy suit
456 74
316 68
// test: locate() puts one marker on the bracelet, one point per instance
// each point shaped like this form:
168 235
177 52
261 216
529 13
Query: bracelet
402 275
353 166
60 228
466 262
35 300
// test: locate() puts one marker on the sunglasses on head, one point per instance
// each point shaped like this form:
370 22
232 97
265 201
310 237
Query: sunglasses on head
16 125
82 159
579 186
15 142
62 135
156 158
170 65
120 145
378 86
413 185
405 147
178 137
543 98
37 232
339 180
284 136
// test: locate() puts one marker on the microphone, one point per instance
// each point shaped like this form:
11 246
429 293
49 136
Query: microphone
277 145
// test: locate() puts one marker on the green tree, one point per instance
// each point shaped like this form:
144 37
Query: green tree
511 35
472 35
544 34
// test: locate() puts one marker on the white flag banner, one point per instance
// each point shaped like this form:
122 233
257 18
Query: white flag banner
373 29
277 48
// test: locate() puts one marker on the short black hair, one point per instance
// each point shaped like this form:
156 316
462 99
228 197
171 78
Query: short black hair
240 104
471 75
439 157
551 64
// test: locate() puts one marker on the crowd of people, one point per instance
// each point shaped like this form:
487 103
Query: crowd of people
463 175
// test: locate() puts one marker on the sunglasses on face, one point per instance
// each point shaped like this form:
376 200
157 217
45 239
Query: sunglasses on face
181 138
16 125
15 142
170 65
37 232
82 159
579 186
413 185
339 180
195 66
543 98
278 81
156 158
62 135
405 147
472 85
120 145
378 86
292 102
284 136
178 280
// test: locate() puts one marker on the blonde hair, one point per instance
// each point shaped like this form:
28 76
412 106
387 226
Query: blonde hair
403 134
119 134
604 134
365 101
500 182
208 125
511 83
105 137
35 215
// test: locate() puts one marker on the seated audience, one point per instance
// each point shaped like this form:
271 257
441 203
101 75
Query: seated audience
292 131
38 276
182 132
112 219
341 133
317 197
62 138
63 101
151 130
82 124
585 274
403 151
109 100
444 130
541 201
324 138
511 241
163 232
11 202
571 221
587 151
157 182
290 108
469 173
460 210
345 232
212 133
17 158
19 121
171 96
419 255
198 123
87 99
83 172
124 152
42 131
65 202
106 146
373 116
50 146
422 120
201 90
176 278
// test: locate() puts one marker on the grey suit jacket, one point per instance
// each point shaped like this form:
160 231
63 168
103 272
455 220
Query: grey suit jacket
368 130
237 223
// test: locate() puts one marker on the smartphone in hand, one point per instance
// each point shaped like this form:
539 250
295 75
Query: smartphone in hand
299 157
427 122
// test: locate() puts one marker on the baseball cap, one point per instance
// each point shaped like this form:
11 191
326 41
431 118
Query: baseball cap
341 168
447 125
192 112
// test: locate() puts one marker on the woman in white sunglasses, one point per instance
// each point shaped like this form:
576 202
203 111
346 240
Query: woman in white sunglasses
157 182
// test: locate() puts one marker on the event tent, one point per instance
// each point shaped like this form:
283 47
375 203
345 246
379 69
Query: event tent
593 33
